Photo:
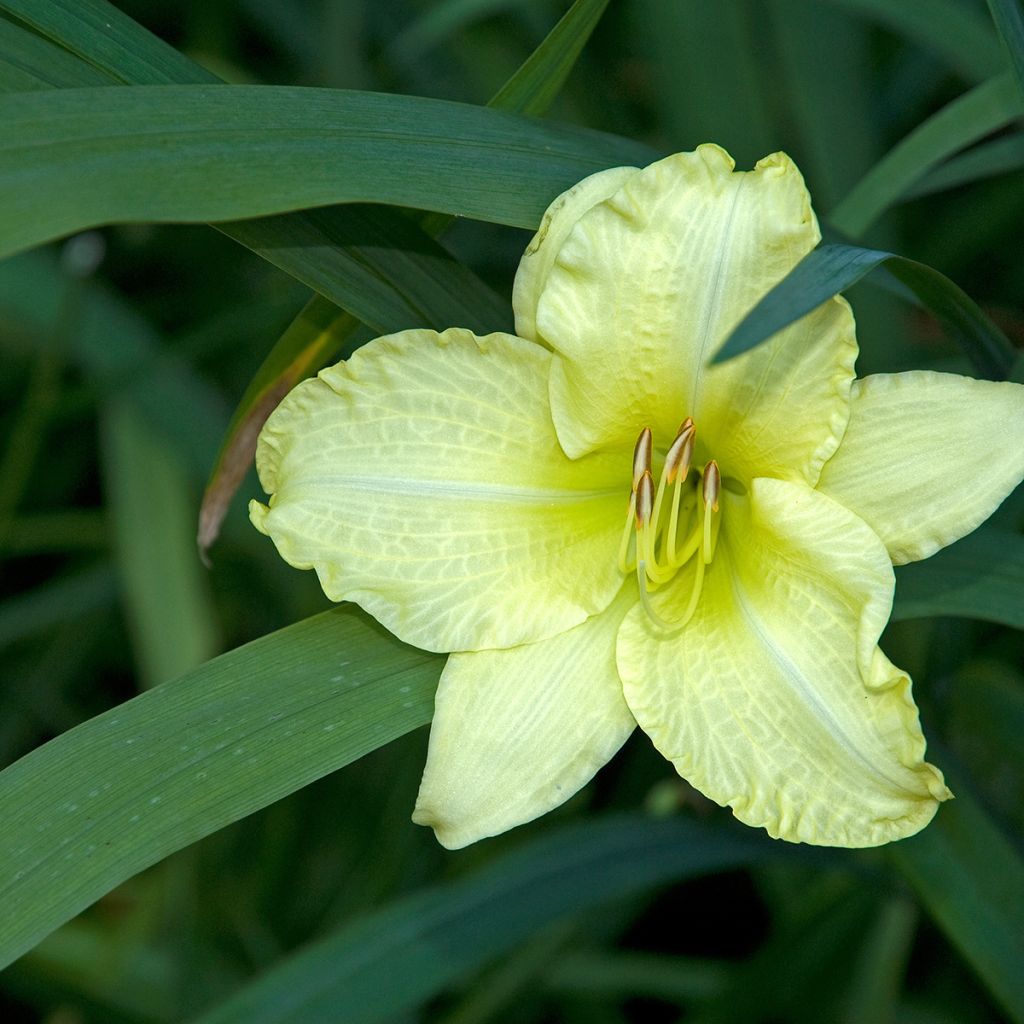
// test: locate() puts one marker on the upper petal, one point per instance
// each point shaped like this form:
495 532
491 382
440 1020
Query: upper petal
558 220
927 457
517 732
775 698
423 480
647 286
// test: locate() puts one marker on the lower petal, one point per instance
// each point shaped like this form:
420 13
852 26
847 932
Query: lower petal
517 732
775 699
423 480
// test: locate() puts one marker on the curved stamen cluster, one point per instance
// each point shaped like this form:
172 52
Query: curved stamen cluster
650 527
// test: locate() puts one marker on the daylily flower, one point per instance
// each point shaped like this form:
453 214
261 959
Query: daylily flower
607 530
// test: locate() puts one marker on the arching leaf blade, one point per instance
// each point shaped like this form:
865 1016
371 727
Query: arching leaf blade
109 39
831 269
1008 16
534 86
979 577
396 959
315 337
27 61
131 786
1002 155
320 330
953 31
984 109
970 879
76 158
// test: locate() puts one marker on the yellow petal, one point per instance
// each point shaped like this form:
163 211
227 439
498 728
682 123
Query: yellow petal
518 732
927 457
556 224
775 699
648 285
422 479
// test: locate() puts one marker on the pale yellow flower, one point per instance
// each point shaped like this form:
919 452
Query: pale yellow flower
501 498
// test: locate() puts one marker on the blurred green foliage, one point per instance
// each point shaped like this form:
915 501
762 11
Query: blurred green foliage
125 351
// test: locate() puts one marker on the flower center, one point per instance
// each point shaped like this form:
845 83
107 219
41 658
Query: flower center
660 536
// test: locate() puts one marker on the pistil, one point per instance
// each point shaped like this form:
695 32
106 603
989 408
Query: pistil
644 519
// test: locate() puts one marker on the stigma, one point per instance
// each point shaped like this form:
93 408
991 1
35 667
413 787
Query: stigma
670 525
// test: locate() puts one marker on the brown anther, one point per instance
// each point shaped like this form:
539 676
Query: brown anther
644 499
642 455
677 461
712 485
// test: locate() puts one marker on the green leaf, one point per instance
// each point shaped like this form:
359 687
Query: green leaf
74 158
533 88
314 338
951 30
98 804
378 265
71 529
117 350
53 603
399 957
443 19
710 79
375 263
971 880
624 974
30 62
978 577
820 55
167 601
107 38
320 330
983 110
1009 18
831 269
986 160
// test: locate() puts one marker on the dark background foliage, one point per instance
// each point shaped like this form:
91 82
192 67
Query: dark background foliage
104 451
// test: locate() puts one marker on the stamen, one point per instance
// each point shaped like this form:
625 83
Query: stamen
677 461
643 516
698 585
644 499
645 600
712 485
693 542
627 535
642 455
712 489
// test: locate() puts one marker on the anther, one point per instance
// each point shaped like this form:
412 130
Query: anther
644 498
642 456
712 485
677 461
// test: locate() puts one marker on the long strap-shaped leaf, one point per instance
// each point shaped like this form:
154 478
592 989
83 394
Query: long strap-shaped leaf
397 958
104 36
971 880
831 269
320 330
979 577
954 31
986 160
984 109
1009 18
29 62
346 255
122 791
75 158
